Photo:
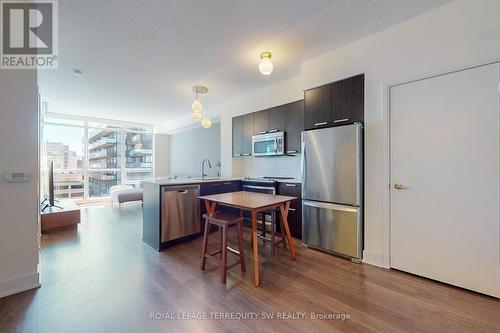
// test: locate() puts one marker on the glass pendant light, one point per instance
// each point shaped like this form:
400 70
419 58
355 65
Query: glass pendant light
196 115
266 66
206 122
196 106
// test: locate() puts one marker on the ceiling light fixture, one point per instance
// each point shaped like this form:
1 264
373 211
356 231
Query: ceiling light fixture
266 66
77 72
206 122
196 107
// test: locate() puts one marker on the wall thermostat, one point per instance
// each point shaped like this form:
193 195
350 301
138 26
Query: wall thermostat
17 176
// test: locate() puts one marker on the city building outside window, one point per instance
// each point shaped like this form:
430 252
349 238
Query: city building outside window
91 157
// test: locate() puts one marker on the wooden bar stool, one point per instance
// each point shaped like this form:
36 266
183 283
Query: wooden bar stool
223 221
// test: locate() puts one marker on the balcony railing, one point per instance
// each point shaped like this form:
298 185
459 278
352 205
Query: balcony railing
138 152
138 164
101 154
102 177
102 142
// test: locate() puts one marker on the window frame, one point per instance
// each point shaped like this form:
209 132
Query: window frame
119 127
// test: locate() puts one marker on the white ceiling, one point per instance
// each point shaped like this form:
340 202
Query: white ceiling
140 58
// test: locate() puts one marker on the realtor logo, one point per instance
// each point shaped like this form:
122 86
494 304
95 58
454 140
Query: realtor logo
29 36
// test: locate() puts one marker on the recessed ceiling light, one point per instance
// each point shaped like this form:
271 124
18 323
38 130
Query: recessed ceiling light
77 72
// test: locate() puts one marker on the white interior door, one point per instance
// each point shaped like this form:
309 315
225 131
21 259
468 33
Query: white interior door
445 148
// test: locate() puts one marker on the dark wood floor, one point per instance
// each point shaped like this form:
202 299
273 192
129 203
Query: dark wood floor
103 278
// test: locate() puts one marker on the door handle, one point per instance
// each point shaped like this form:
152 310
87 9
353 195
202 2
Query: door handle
341 120
262 132
321 124
274 130
399 186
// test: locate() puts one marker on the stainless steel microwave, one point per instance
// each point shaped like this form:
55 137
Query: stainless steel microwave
270 144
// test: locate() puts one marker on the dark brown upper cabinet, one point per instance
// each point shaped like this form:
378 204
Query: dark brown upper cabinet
294 125
238 136
270 120
337 103
348 100
261 122
248 130
277 118
288 117
242 135
318 107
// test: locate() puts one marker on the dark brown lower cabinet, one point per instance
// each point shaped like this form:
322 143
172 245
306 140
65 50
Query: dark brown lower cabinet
217 188
295 211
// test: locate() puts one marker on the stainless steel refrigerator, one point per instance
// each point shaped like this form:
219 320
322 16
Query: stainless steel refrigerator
332 190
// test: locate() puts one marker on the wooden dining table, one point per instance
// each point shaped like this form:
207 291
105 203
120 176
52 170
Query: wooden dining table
255 203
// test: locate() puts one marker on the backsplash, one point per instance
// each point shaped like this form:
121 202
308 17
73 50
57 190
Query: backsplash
283 166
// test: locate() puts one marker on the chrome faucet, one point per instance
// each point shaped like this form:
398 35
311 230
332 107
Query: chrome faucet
203 174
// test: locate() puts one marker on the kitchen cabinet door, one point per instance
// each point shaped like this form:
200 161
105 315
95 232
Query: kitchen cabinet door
318 107
277 118
261 122
237 136
294 125
348 100
231 186
248 130
295 211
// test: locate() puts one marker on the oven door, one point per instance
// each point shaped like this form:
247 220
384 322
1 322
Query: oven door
270 215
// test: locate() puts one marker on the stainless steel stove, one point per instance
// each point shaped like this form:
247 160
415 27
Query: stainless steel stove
265 179
266 185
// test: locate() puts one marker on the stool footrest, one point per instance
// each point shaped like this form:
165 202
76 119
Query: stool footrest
234 264
213 253
233 251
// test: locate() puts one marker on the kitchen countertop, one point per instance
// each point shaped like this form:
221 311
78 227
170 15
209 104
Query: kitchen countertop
188 181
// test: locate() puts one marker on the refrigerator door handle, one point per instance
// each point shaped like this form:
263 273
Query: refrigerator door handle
303 164
330 206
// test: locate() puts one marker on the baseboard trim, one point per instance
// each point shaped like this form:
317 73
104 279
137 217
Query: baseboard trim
375 259
18 285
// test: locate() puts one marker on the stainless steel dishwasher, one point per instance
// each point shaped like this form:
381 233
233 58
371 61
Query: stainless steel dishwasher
180 212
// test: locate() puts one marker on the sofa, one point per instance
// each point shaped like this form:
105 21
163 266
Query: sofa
125 193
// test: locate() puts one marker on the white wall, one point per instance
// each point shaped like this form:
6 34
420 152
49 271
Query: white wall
462 33
162 155
18 201
189 148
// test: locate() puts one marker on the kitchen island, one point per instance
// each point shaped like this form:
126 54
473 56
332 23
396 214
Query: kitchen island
172 211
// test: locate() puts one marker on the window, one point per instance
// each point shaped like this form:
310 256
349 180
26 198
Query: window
134 178
138 150
101 182
63 146
91 157
103 149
